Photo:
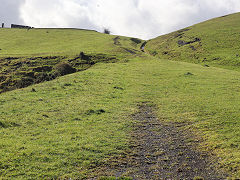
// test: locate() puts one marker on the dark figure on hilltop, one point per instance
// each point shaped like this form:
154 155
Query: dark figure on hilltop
2 25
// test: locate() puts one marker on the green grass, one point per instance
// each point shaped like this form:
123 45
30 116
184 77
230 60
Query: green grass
51 132
35 42
61 130
68 127
219 45
38 51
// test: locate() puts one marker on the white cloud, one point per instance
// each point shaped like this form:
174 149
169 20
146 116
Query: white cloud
56 13
139 18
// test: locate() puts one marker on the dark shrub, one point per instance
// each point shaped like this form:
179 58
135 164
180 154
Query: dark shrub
63 69
107 31
84 56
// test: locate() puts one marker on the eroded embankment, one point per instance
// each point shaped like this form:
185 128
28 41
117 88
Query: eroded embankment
20 72
161 151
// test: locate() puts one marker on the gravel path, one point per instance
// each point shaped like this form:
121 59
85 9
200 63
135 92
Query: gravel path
161 151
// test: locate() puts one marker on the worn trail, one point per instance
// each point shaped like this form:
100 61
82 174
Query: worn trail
161 151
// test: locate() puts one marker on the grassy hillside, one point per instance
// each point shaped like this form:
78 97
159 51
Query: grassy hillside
32 56
214 42
74 123
46 42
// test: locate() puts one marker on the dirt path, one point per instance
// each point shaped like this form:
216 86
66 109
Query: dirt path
161 151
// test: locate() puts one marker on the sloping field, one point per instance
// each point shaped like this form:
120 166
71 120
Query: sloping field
78 121
47 42
214 42
82 125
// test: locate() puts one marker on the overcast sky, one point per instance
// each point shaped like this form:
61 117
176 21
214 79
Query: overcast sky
138 18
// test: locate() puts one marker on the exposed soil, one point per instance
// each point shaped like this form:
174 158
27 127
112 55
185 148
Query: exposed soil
161 151
20 72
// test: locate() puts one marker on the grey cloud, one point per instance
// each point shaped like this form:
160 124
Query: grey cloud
10 11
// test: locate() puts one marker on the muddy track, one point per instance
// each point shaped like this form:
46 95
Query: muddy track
161 151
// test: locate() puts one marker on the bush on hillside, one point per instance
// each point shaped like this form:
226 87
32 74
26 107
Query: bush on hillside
106 31
63 69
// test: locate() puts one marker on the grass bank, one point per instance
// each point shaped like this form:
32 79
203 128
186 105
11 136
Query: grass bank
74 123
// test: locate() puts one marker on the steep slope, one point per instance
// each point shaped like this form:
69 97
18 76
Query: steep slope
214 42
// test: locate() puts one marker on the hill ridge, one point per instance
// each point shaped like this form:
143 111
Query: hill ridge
213 42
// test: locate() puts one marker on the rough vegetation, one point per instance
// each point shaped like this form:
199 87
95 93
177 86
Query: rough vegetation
20 72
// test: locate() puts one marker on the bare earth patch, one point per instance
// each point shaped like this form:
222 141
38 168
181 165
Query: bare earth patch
161 151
